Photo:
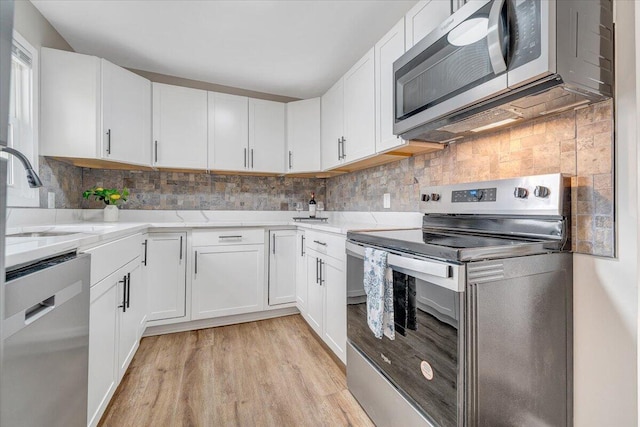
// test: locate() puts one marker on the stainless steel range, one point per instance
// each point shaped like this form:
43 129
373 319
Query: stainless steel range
482 301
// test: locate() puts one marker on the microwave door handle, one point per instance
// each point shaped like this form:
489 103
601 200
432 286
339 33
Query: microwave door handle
496 54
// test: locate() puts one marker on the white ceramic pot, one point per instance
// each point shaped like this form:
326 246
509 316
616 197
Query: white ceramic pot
110 213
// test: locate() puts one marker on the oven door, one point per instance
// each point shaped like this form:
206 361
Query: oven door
423 362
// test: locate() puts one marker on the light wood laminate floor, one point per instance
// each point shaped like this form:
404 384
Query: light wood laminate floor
267 373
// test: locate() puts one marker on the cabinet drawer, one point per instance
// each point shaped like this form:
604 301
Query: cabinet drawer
329 244
228 237
107 258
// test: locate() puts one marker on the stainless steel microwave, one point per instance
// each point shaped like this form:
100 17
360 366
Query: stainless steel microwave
495 62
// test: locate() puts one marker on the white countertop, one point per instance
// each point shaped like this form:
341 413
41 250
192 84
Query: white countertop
24 250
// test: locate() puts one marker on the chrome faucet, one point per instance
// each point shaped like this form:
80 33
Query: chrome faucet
32 176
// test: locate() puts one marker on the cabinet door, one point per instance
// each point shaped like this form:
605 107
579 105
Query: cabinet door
130 316
301 272
315 294
303 135
425 17
227 280
166 275
69 100
138 298
126 115
335 314
228 131
282 261
103 341
388 49
359 110
266 136
332 124
179 127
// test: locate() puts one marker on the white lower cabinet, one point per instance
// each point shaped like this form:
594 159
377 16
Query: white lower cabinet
103 341
164 262
227 280
282 259
301 272
326 301
117 317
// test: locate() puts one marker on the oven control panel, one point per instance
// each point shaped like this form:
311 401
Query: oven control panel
527 195
474 195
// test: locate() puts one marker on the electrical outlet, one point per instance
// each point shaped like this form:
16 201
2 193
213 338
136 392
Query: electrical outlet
386 200
51 200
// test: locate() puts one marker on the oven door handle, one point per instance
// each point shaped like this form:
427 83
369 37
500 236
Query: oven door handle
496 54
450 276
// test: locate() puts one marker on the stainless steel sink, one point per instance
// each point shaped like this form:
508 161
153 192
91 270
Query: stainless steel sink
42 234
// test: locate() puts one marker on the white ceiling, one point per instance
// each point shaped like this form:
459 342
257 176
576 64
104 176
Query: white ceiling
291 48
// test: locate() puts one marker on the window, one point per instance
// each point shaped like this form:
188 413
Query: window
23 122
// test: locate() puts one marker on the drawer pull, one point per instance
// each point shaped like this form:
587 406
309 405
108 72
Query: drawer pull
230 237
320 243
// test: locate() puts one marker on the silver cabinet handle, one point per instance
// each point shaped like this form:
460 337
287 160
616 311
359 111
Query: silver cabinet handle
274 243
128 284
496 55
344 152
320 243
109 141
124 294
339 152
156 151
317 270
195 262
302 246
290 161
180 248
252 158
245 157
145 244
229 237
321 278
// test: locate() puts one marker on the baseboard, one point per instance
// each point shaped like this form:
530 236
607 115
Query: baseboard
218 321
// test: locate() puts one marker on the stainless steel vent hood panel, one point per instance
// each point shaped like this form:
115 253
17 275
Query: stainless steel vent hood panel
582 45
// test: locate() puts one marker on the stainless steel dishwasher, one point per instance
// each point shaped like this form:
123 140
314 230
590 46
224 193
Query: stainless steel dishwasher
46 343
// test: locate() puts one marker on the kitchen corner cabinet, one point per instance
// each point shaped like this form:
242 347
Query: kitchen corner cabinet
425 17
387 50
179 127
266 136
92 109
303 136
228 275
228 131
282 262
163 262
348 116
332 125
326 303
301 272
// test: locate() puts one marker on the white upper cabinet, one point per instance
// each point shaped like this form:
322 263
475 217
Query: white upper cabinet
126 115
303 136
387 50
332 113
228 131
359 110
425 17
266 136
93 109
179 127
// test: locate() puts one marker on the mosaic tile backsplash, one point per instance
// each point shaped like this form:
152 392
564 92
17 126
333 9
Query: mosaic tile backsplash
176 190
578 143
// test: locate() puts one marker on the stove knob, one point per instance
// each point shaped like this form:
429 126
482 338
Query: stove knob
520 193
435 197
541 191
479 195
424 198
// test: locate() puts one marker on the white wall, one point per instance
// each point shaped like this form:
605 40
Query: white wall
606 290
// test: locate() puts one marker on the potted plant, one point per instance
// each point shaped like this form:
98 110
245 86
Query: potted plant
111 197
